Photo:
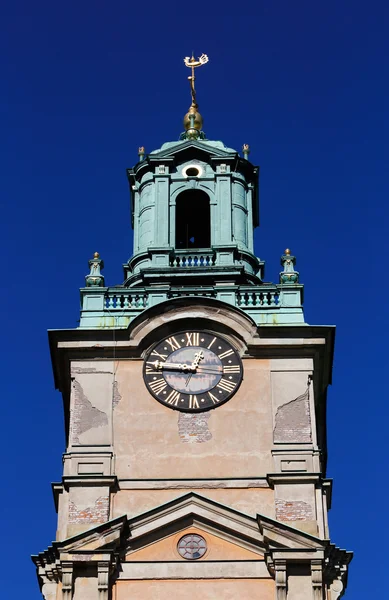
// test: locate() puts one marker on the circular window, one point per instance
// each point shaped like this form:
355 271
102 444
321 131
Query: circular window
192 170
192 546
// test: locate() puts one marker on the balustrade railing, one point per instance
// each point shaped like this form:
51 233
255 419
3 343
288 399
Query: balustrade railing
187 259
126 300
131 300
260 301
199 292
257 299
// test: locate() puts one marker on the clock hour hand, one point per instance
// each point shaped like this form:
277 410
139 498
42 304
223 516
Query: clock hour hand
198 356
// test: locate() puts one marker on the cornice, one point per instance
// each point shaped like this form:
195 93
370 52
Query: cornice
90 481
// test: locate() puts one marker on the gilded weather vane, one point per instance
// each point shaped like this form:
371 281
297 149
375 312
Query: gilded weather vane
192 63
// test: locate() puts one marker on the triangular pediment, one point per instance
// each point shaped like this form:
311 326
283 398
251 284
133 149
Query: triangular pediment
192 510
105 536
206 147
164 546
232 538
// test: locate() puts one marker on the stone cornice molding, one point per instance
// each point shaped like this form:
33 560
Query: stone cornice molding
290 477
279 543
110 481
97 545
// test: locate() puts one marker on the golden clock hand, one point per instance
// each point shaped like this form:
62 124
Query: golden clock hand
210 370
198 356
174 366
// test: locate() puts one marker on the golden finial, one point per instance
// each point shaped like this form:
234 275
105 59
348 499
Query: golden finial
287 251
193 121
96 255
192 63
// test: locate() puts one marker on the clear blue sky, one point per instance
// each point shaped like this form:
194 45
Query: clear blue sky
83 84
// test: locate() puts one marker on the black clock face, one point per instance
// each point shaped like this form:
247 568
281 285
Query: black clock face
193 371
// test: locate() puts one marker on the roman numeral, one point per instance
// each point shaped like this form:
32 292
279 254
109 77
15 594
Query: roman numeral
158 385
226 385
193 339
173 343
173 398
231 369
226 353
155 353
213 398
193 402
213 341
150 371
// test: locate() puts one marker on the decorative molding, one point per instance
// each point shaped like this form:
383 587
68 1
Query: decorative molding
293 477
103 569
184 484
280 544
90 480
67 580
281 579
317 579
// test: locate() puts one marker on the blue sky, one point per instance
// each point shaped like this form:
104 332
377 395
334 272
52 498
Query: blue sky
83 84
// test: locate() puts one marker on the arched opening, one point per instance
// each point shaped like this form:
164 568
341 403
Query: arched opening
193 220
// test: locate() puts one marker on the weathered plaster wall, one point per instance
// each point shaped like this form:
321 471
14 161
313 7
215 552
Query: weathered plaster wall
87 506
249 501
292 414
206 589
91 403
153 441
296 506
111 405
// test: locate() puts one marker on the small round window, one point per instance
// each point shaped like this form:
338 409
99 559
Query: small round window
192 546
192 170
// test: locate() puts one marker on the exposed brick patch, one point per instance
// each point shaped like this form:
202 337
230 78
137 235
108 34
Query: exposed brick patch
294 510
84 415
293 421
98 513
193 428
116 396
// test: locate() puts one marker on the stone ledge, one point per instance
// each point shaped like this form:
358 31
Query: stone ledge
293 477
152 484
90 480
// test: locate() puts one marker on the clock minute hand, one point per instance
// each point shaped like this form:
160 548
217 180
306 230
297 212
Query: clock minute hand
174 366
211 370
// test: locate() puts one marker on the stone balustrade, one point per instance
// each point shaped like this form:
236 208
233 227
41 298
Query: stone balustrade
199 259
117 307
125 300
246 298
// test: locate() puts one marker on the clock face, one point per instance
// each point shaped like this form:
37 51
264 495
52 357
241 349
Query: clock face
193 371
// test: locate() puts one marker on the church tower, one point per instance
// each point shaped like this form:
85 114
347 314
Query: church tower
195 404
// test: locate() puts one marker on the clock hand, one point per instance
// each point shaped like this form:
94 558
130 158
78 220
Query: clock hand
198 356
174 366
210 370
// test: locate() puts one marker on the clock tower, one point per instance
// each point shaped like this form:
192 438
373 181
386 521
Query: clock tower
195 404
